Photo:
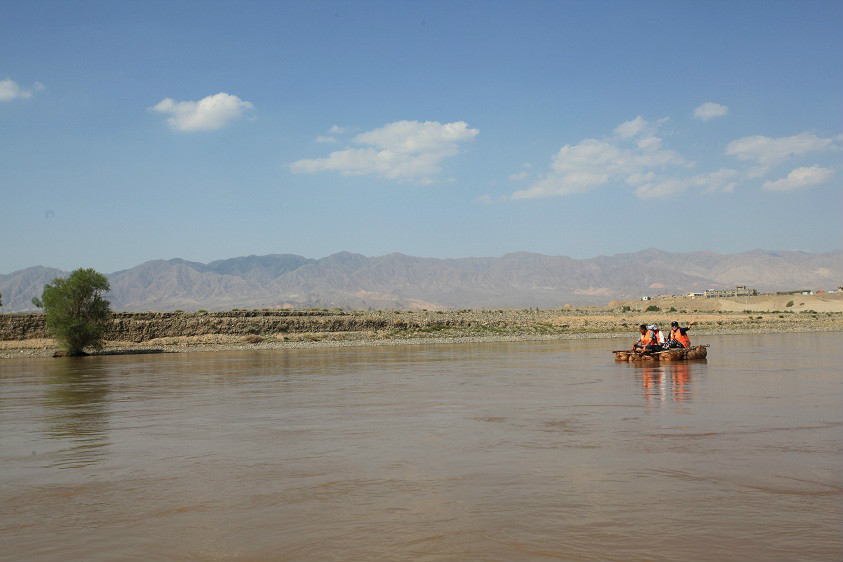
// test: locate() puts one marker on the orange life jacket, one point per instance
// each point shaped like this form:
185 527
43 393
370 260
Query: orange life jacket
649 338
676 334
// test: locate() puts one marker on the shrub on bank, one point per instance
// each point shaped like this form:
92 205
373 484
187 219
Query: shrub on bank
77 315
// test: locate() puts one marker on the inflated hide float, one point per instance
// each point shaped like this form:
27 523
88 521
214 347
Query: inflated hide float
680 354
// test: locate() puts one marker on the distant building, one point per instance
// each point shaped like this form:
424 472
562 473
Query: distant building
695 295
645 298
739 291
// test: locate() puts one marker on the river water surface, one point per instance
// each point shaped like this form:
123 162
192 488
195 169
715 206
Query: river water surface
496 451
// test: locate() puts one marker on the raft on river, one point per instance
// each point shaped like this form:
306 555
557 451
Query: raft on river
679 354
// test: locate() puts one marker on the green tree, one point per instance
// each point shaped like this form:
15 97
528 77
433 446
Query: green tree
77 314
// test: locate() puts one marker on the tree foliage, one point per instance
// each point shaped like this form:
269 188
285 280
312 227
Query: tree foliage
77 315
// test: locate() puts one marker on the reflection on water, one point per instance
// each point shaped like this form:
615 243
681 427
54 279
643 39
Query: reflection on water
76 410
667 381
506 451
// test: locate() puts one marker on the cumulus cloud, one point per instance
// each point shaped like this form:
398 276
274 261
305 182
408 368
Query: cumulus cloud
710 110
800 178
662 188
639 127
631 128
407 151
207 114
636 155
724 180
767 151
331 138
11 90
633 156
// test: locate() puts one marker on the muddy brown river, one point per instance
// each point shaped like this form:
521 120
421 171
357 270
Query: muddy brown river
494 451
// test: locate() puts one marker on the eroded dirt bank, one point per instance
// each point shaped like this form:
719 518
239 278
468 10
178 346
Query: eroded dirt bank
25 334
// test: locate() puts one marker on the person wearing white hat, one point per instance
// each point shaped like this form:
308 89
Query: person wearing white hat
659 335
648 341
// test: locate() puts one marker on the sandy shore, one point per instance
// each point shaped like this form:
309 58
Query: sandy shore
618 320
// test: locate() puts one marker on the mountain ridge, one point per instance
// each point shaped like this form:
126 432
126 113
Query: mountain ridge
395 280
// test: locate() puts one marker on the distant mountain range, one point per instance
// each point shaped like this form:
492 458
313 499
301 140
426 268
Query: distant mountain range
518 280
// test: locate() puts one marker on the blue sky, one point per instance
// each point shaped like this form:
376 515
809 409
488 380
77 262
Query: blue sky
132 131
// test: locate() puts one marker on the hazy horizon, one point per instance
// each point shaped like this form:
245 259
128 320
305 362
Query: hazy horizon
315 258
400 281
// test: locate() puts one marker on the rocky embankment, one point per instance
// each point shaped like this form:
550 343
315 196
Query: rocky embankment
25 334
146 326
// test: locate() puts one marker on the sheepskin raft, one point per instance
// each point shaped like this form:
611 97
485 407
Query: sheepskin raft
684 354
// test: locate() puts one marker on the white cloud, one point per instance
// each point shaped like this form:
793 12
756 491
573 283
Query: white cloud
593 163
640 178
416 137
800 178
649 143
639 127
410 151
650 185
331 138
710 110
663 188
724 179
635 155
207 114
766 151
631 128
11 90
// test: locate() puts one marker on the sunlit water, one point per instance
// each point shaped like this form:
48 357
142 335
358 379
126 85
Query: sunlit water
503 451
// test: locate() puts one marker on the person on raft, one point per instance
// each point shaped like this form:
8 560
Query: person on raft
648 342
678 337
659 335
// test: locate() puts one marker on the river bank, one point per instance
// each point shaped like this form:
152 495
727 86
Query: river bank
24 335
